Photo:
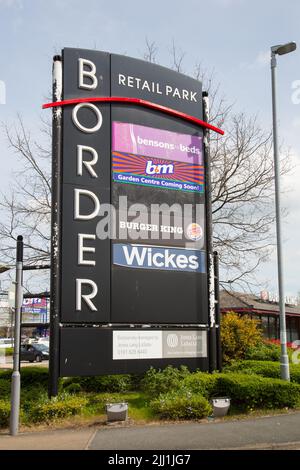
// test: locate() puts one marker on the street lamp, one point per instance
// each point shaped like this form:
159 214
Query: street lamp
280 49
4 268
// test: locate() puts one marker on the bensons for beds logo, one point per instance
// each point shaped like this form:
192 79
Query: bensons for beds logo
157 257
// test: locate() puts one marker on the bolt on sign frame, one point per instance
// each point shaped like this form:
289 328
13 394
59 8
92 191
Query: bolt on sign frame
129 134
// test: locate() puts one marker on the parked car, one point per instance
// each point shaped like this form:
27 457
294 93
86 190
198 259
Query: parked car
34 352
44 341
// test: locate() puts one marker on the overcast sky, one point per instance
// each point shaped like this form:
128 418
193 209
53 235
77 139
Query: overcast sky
231 37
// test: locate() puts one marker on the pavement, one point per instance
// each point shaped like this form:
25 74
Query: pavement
7 363
273 432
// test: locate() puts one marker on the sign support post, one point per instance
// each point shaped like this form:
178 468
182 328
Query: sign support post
16 377
55 229
218 312
210 257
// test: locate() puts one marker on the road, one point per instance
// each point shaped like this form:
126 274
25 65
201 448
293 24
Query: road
264 433
274 432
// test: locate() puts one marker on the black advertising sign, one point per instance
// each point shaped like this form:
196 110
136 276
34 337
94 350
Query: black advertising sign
96 351
133 215
159 270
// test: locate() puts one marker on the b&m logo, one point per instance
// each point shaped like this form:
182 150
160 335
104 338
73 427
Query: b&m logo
155 169
157 257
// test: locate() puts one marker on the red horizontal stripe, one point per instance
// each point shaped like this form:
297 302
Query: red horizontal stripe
137 101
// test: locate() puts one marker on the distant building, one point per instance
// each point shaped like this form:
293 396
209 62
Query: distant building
265 310
35 312
5 312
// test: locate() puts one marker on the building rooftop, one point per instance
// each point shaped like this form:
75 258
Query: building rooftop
237 301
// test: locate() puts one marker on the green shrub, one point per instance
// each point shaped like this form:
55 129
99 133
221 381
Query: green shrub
59 407
34 376
97 402
202 383
238 334
263 352
73 388
181 405
5 374
254 391
4 413
105 383
264 368
163 381
4 388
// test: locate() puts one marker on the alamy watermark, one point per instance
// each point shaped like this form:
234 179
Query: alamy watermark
296 92
158 222
2 92
296 353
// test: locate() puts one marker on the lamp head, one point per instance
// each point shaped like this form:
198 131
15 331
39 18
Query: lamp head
282 49
4 268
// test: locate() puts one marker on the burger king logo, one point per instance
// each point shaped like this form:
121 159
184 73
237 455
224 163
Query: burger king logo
194 232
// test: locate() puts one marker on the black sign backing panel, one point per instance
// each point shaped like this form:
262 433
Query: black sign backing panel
91 182
89 351
154 296
139 79
157 296
71 73
73 271
99 141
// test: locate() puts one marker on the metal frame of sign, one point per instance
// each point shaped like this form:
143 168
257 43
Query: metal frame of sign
65 333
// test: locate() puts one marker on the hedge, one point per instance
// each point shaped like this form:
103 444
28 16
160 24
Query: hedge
5 374
38 377
263 352
105 383
4 388
57 408
181 405
266 351
163 381
264 368
4 413
254 391
203 383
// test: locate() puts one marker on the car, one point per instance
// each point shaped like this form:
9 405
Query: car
34 352
44 341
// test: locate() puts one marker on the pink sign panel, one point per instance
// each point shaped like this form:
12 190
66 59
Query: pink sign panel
151 142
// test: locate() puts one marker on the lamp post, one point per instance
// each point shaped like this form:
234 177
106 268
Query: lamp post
280 49
4 268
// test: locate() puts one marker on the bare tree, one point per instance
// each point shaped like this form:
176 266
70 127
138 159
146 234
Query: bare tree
26 208
242 186
150 52
177 57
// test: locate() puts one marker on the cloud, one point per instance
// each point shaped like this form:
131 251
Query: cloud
261 60
229 3
11 3
291 187
296 122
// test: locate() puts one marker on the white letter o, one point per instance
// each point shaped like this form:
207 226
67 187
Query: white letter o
80 126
